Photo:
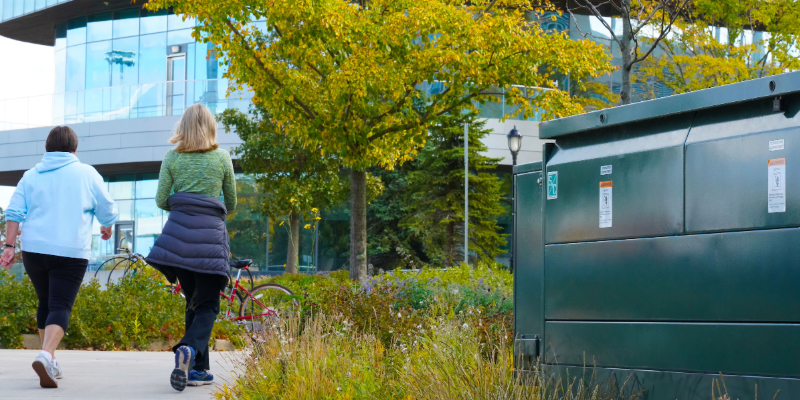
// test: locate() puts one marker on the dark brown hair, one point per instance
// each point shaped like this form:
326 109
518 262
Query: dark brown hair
61 138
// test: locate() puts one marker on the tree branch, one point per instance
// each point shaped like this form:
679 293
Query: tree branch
309 113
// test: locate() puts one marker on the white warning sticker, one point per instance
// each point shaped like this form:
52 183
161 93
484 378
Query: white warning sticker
605 170
775 145
605 204
776 190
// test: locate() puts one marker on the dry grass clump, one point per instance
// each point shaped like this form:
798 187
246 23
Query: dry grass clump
321 357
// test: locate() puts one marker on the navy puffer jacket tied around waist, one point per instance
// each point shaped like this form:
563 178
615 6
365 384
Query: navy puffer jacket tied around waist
194 238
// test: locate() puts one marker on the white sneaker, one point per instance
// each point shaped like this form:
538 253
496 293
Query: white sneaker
44 368
58 373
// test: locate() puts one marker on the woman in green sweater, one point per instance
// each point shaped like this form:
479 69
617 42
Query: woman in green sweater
193 246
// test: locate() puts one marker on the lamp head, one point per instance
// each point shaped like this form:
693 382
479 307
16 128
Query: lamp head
514 140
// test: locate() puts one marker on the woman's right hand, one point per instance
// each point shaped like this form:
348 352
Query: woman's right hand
8 257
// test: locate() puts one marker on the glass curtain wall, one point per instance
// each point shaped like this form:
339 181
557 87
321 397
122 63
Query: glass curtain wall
16 8
114 66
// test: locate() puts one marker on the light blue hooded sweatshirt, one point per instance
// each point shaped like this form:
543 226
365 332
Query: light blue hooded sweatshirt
55 202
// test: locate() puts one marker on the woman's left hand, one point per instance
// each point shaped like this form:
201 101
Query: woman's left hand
8 257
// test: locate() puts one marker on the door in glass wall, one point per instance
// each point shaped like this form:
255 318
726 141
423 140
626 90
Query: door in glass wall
123 237
176 84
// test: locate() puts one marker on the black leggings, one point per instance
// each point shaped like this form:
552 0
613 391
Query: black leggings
56 281
202 307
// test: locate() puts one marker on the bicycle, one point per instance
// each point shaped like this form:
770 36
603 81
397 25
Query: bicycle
130 260
253 311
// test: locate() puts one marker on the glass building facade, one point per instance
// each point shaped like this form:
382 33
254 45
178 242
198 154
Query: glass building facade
17 8
134 63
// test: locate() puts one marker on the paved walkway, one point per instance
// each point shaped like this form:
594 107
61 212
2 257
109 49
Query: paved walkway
105 375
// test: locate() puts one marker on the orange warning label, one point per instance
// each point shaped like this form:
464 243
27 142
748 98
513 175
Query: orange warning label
606 184
777 161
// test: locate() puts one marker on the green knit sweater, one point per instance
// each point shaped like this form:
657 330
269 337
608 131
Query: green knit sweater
209 173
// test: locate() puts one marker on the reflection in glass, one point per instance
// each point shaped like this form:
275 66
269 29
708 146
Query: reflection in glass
179 37
98 27
148 225
175 22
122 59
61 64
147 187
76 68
153 21
121 190
8 9
125 208
61 36
76 31
126 23
98 65
153 54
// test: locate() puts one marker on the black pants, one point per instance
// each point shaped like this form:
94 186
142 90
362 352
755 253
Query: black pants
202 307
56 281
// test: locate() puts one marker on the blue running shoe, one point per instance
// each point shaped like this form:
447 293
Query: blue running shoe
184 359
200 378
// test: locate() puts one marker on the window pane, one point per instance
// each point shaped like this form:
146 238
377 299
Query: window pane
121 190
29 6
124 61
148 225
180 37
40 4
152 22
98 27
126 23
61 65
19 6
98 67
125 208
146 188
52 2
8 9
61 36
153 54
76 31
76 68
175 22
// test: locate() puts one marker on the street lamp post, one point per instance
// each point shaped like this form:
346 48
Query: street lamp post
514 144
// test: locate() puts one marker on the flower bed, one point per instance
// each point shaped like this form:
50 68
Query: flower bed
128 315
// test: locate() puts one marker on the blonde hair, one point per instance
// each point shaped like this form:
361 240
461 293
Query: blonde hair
196 132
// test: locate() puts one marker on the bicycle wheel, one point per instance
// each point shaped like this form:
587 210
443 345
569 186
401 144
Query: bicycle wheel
111 273
103 265
264 305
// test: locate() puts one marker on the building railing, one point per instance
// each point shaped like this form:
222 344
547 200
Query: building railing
157 100
119 102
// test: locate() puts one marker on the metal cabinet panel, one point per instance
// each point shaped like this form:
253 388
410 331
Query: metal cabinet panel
747 349
663 385
645 197
747 276
727 179
528 271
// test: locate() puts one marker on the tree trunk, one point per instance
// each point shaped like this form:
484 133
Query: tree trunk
294 243
358 224
625 49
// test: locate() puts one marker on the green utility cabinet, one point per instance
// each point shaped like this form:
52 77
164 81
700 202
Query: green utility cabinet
659 243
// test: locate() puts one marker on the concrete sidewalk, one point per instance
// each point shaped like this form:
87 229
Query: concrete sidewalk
106 375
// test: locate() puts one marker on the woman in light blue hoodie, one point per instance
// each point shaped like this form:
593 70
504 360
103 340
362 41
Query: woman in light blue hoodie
56 201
